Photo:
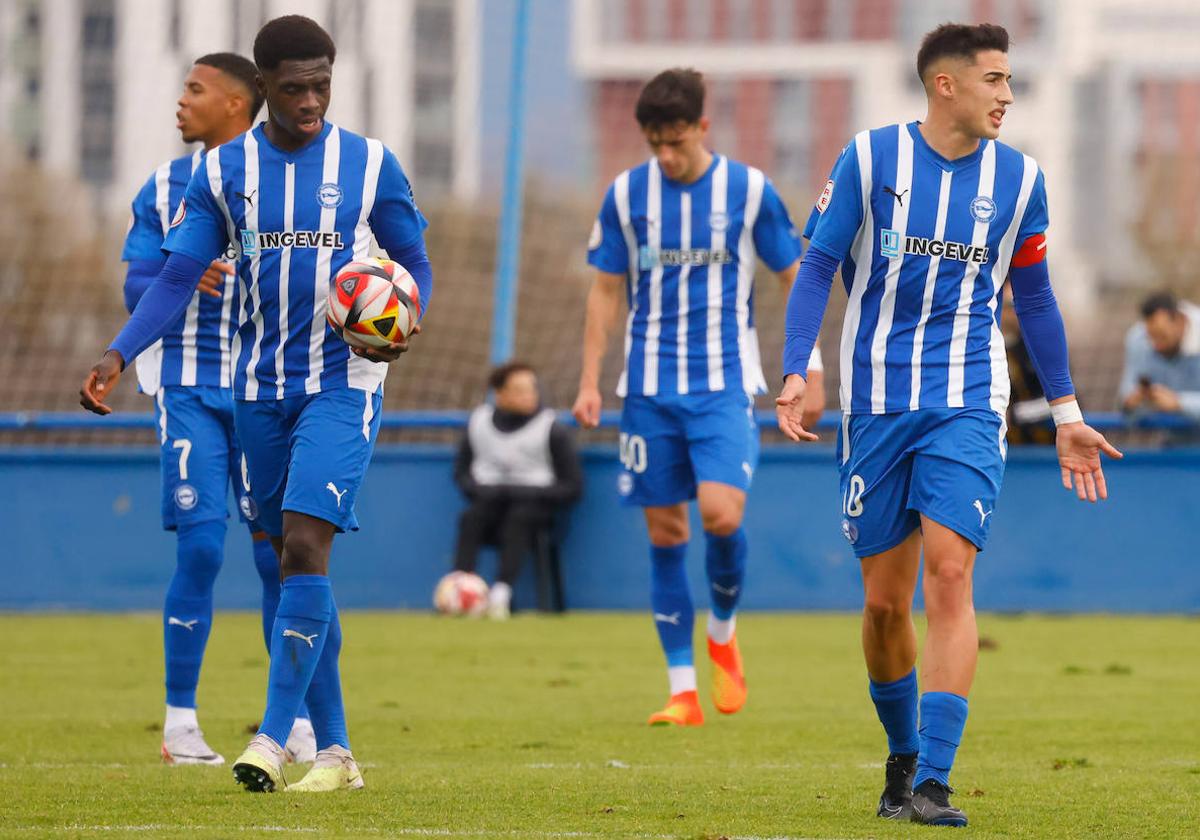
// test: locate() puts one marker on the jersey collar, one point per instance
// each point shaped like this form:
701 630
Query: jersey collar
712 166
260 134
956 165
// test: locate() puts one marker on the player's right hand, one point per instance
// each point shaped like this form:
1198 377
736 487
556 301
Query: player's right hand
100 381
212 282
789 409
587 408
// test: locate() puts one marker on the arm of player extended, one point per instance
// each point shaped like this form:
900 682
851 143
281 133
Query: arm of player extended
138 277
163 302
806 308
1041 322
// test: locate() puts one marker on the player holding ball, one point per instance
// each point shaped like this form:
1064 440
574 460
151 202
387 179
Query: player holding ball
299 198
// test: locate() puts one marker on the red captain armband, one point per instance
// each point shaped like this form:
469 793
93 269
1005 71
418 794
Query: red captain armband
1031 252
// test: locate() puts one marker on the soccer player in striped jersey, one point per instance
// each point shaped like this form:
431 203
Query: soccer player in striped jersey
928 220
680 234
186 372
299 198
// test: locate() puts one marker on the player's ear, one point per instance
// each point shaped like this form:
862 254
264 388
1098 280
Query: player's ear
704 124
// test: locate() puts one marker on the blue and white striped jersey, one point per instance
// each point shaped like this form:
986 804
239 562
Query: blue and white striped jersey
687 252
195 351
296 218
925 245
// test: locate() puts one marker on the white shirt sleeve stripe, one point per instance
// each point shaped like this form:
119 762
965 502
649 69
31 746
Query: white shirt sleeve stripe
887 303
962 315
716 270
862 248
316 336
252 293
654 314
681 335
1001 385
753 381
285 275
621 196
935 261
363 374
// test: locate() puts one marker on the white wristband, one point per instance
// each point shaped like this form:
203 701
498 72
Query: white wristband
1067 412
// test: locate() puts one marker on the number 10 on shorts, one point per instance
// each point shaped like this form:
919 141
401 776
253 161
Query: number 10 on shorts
633 452
852 503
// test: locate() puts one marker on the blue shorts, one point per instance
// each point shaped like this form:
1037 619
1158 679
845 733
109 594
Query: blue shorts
308 454
945 463
200 456
669 444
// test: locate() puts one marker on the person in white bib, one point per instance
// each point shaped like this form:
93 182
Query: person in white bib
517 467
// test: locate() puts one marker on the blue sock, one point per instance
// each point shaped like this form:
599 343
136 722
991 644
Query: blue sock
725 561
943 716
297 639
266 562
896 705
672 602
325 691
187 612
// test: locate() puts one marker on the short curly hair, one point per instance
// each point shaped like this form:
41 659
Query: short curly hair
291 38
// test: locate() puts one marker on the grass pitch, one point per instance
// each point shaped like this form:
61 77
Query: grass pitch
1080 727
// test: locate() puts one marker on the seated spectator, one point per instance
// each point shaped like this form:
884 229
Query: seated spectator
517 467
1162 359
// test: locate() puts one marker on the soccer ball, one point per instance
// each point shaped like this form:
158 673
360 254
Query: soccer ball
461 593
373 303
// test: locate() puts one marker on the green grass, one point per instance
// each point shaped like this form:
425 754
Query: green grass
1080 727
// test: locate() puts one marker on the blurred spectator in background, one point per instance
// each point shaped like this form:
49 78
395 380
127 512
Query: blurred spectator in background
517 467
1162 359
1028 411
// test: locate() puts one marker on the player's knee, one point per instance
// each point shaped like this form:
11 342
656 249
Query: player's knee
303 554
884 608
201 550
668 532
722 521
947 586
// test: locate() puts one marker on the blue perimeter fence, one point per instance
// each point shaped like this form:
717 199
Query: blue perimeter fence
82 530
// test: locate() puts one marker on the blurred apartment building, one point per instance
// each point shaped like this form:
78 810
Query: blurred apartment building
1106 91
88 87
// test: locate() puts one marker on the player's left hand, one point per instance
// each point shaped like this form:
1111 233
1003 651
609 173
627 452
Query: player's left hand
390 353
100 381
789 409
1079 447
212 282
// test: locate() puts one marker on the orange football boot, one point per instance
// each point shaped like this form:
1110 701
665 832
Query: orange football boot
728 681
683 709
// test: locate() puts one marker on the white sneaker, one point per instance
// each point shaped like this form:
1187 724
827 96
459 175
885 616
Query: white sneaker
186 745
499 606
260 767
333 769
301 746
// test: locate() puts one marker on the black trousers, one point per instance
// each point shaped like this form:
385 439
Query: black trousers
507 523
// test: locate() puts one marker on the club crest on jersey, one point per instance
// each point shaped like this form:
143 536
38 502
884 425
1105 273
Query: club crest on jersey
179 213
186 497
329 195
849 531
718 221
825 197
983 209
624 483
